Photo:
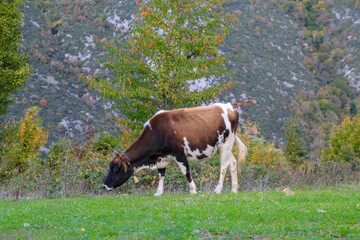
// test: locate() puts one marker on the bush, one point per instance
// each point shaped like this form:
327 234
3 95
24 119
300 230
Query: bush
20 144
295 143
345 142
262 155
75 166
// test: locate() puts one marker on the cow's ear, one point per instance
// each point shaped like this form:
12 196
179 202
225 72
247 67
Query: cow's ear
124 166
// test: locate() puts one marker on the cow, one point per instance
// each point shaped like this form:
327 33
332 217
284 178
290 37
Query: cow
183 135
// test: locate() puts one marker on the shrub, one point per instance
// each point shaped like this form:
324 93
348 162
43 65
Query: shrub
295 143
79 165
20 144
262 155
345 142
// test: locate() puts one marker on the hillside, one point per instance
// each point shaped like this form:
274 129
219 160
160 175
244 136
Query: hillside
65 38
343 13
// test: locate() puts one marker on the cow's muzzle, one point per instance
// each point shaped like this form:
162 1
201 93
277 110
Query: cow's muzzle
107 188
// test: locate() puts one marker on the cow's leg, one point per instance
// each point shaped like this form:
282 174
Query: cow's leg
224 164
160 188
234 174
185 169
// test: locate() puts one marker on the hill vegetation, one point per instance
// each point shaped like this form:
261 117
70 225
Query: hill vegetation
297 62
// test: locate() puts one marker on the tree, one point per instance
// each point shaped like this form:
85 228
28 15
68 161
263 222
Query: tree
345 142
171 45
20 143
14 69
295 143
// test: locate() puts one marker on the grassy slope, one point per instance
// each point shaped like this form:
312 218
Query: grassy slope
181 216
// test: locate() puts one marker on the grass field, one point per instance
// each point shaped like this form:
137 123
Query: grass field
309 214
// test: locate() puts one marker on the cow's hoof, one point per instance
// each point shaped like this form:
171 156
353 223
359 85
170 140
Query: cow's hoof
157 194
234 190
217 190
193 192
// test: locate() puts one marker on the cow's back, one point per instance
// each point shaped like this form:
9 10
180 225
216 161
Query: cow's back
200 126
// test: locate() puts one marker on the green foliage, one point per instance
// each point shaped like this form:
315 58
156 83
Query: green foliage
334 99
171 45
14 69
295 144
74 165
20 144
79 165
105 142
69 166
345 142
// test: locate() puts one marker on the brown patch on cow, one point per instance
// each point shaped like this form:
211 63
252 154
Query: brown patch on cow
234 119
121 161
117 158
199 125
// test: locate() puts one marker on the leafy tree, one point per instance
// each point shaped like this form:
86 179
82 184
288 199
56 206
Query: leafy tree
295 144
345 142
20 143
14 69
171 45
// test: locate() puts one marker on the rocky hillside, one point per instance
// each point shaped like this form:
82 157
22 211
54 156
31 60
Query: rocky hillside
66 38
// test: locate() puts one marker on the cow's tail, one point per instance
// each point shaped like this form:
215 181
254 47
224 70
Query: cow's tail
242 151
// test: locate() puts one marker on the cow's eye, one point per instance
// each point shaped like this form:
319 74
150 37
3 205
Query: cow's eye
115 168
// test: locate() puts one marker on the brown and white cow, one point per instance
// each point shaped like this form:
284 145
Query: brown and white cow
182 135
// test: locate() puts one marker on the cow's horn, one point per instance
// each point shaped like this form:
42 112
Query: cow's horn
115 151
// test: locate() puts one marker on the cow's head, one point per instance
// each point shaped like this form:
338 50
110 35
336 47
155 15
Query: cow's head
120 171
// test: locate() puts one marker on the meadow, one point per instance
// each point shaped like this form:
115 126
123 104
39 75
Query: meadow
309 214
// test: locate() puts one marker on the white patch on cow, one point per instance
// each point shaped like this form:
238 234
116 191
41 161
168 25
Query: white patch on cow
225 108
140 168
148 124
193 155
161 163
164 161
225 161
107 188
182 167
192 188
160 188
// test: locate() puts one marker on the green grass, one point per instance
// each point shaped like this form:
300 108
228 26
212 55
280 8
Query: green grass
309 214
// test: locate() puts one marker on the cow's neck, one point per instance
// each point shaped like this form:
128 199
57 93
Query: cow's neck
140 149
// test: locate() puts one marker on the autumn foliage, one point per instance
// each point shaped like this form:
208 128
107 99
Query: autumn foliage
21 142
345 142
262 155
